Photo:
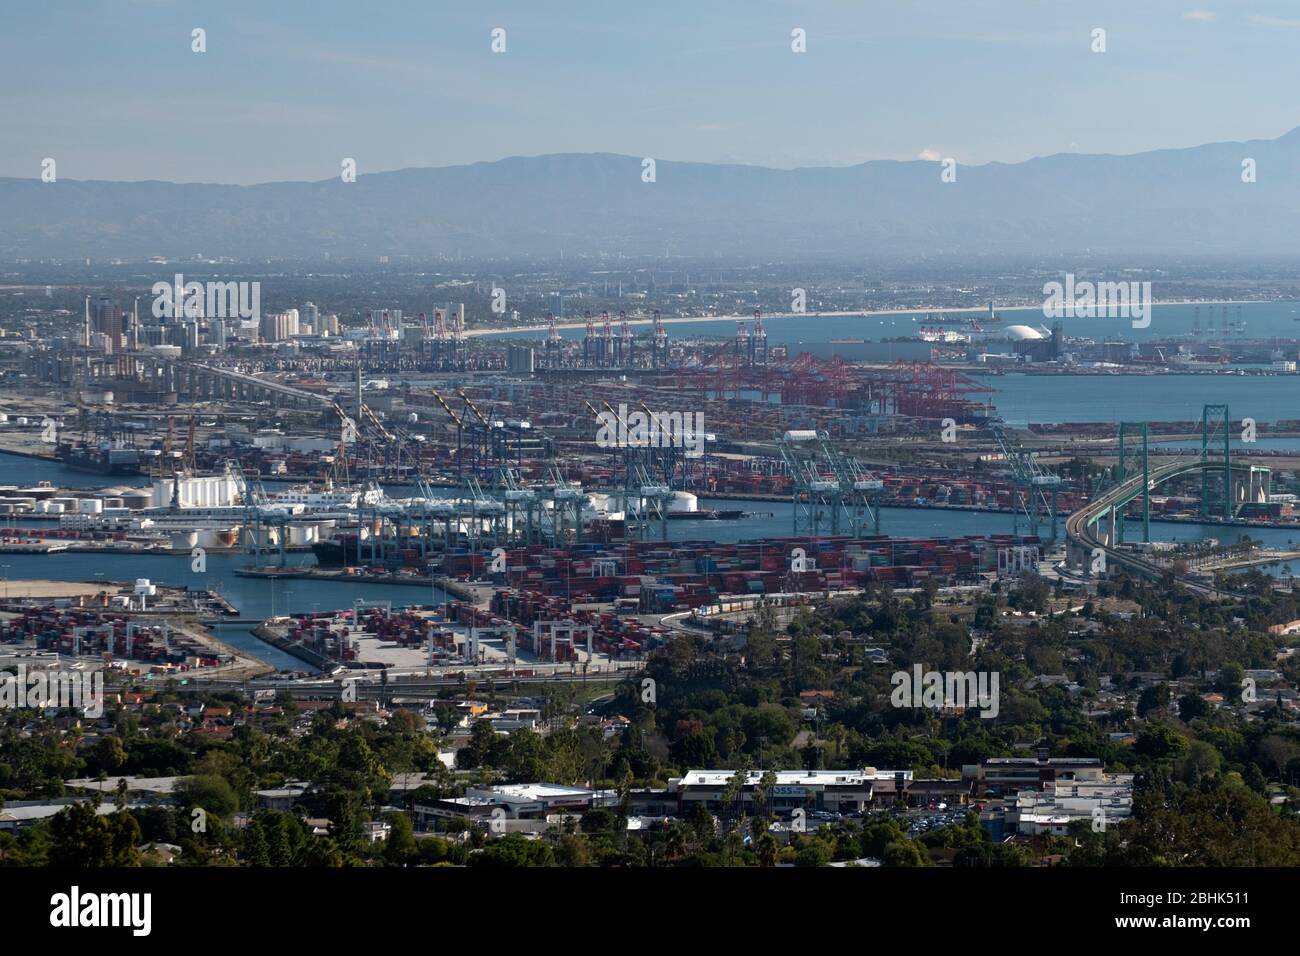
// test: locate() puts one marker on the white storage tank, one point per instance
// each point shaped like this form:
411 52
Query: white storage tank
92 506
684 501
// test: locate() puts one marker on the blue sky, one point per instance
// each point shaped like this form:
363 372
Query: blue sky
287 88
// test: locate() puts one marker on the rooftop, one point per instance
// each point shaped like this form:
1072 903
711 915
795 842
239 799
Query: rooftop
792 778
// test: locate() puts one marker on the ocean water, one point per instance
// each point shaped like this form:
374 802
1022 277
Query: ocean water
26 472
1261 320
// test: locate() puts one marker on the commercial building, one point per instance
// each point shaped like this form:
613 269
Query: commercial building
523 801
1053 810
836 791
1013 774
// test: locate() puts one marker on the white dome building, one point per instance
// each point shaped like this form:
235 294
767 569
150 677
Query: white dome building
1024 333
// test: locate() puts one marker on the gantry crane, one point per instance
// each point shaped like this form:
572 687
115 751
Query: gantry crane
1035 488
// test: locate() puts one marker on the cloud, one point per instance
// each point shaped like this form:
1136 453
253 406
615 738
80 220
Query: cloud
930 154
1204 16
1274 22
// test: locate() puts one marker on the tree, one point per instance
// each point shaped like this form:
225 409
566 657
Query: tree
598 820
212 793
1160 741
514 850
109 754
812 853
345 818
401 844
1154 699
695 750
763 791
1191 706
904 853
80 837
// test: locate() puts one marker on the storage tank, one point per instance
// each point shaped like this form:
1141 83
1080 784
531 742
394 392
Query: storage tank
91 506
684 501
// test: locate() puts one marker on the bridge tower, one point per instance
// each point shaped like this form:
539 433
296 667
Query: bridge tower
1212 418
1117 528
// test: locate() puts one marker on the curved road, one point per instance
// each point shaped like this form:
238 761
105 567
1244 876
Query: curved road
1079 526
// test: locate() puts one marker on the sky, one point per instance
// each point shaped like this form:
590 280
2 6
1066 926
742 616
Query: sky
111 89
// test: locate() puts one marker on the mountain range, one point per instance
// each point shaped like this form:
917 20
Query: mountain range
1165 202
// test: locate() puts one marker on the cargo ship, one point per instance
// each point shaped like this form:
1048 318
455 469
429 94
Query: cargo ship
102 459
706 514
337 552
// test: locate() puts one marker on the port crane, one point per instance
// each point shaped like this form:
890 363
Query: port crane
1035 488
829 489
640 495
459 424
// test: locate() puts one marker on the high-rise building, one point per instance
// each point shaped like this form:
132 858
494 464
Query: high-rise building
279 326
108 321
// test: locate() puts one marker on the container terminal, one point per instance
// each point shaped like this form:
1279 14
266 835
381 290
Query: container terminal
585 469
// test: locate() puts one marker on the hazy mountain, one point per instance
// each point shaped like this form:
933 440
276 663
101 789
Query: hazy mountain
1168 201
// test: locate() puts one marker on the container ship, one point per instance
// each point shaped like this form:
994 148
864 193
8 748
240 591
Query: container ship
103 459
336 552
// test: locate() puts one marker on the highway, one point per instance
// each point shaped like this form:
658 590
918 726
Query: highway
1079 526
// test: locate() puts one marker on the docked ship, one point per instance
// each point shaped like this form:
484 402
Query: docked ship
336 552
327 498
944 336
105 458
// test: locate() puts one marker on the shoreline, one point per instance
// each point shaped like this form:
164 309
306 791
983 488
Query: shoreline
851 313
